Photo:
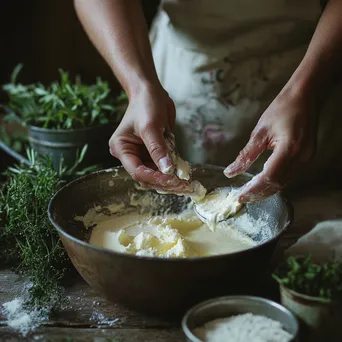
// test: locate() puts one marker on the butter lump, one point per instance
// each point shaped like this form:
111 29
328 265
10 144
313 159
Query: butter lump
124 239
218 206
199 192
161 240
182 168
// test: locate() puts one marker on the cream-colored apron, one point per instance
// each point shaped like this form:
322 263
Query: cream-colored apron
224 61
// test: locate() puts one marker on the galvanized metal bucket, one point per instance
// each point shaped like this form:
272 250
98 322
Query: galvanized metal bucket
321 319
68 144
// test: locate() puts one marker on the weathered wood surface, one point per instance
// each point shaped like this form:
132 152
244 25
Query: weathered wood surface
96 335
311 207
81 319
83 307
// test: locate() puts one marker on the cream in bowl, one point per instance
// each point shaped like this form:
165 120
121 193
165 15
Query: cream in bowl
145 226
152 284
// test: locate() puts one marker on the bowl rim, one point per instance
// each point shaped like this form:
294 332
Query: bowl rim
81 179
189 334
312 299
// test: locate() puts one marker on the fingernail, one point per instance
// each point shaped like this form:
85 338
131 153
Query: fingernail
229 171
165 165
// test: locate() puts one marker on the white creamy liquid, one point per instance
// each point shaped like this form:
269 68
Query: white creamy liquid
171 235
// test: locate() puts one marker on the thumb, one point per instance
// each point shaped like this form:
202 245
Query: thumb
153 138
171 114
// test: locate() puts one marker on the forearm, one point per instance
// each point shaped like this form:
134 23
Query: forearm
118 30
322 64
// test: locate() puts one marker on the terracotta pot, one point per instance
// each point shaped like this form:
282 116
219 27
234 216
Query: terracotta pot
321 319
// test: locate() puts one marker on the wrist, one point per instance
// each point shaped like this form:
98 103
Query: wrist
146 89
309 82
300 92
137 86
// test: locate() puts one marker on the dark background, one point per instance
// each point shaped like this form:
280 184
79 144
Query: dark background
46 35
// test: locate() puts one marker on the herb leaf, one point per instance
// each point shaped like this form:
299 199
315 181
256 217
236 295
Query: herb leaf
64 104
27 237
311 279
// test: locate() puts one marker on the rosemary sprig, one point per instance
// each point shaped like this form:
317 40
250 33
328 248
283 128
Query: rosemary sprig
64 104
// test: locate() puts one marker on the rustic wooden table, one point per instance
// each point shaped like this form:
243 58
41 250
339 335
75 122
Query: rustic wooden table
89 317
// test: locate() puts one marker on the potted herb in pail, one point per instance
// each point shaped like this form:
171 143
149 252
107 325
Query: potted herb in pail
65 116
313 292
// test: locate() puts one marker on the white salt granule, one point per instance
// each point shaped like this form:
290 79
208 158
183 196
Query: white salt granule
243 328
101 319
20 319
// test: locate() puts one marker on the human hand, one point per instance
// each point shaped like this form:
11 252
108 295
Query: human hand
288 127
140 145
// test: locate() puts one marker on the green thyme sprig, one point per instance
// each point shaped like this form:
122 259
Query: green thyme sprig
28 240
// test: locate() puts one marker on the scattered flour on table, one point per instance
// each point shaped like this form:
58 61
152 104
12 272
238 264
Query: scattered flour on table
101 319
24 321
20 319
243 328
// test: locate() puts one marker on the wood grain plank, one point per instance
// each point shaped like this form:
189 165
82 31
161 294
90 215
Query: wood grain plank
95 335
83 307
311 205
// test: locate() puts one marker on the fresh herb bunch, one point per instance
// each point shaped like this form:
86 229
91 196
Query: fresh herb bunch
28 240
64 104
306 277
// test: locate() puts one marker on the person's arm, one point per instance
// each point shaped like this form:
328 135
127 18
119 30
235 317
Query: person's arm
289 125
118 30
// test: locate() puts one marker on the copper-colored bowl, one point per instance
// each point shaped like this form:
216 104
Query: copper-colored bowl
155 284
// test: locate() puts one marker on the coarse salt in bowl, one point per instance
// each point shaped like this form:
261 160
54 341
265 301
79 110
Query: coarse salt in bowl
240 319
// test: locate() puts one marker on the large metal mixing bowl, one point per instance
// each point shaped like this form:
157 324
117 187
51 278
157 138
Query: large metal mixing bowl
155 284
